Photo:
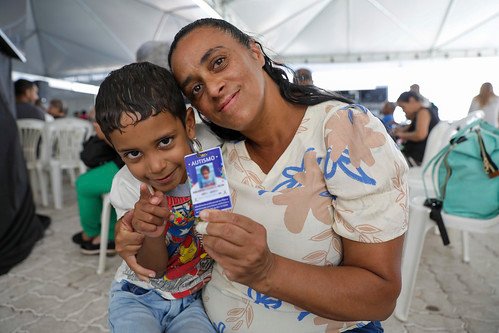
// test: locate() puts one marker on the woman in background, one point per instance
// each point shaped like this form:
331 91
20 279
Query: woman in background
487 101
415 135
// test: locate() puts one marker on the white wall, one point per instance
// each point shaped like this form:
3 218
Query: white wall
449 83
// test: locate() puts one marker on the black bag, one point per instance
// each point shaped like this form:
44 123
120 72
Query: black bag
97 152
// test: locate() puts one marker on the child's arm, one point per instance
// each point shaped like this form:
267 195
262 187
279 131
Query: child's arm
149 217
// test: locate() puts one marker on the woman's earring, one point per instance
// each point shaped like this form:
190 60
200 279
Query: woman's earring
196 146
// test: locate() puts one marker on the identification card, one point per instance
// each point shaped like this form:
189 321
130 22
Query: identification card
209 185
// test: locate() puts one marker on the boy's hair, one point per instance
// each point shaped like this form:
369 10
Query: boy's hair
205 167
140 90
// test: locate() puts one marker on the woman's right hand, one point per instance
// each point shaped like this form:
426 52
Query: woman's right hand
128 243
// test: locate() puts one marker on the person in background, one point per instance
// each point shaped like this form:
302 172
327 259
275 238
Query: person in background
303 76
26 96
103 163
20 226
56 108
424 101
487 101
387 115
415 135
83 115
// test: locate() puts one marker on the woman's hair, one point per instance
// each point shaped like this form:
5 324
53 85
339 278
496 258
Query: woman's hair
486 92
405 96
294 93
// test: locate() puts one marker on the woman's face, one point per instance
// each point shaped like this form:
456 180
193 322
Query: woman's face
410 107
223 79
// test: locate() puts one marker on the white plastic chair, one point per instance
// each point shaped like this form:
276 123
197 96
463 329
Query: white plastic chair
32 136
419 224
438 138
66 137
104 232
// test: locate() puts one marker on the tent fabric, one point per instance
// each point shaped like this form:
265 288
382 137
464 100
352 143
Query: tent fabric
84 38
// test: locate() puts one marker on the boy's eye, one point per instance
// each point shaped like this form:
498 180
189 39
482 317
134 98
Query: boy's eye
132 154
165 142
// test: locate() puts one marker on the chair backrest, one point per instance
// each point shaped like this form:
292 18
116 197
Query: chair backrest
66 137
31 133
471 117
440 135
437 139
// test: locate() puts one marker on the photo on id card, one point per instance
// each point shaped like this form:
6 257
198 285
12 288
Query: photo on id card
209 185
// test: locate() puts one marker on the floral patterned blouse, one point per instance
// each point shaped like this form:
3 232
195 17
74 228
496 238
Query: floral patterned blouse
341 175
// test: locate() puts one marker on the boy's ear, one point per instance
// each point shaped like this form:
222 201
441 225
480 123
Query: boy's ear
190 123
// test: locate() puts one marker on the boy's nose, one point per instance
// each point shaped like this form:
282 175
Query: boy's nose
156 165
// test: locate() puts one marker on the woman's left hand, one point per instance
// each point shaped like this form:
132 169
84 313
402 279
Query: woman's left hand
239 245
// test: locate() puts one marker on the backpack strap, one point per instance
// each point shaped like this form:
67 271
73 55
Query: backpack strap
436 215
489 166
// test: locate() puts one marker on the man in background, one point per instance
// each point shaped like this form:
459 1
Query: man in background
26 96
303 76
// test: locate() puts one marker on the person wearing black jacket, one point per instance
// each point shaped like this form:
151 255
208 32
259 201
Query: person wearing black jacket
20 226
104 163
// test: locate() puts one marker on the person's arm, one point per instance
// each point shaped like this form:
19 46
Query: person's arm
124 194
365 287
128 243
149 216
422 128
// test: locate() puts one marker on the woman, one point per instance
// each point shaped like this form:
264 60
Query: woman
314 241
415 135
487 101
56 108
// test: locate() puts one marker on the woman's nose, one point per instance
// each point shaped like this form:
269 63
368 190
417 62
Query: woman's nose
215 87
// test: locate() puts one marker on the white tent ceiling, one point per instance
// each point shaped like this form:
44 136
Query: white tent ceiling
65 38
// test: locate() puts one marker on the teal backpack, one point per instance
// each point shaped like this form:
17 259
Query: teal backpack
464 173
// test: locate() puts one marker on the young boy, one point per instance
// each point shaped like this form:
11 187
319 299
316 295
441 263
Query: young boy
141 111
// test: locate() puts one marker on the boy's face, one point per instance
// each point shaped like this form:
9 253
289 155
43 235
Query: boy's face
206 173
154 149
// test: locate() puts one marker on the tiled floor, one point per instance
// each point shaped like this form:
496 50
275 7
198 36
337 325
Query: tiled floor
57 290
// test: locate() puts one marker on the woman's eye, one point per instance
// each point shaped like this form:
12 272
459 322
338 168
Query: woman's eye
196 89
165 142
132 155
218 62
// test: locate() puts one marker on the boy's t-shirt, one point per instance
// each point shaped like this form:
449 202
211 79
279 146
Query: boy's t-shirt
189 267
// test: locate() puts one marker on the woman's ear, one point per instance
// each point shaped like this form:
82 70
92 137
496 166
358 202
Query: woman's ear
257 52
190 123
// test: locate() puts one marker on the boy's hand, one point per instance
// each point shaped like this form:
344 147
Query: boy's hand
128 243
150 213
